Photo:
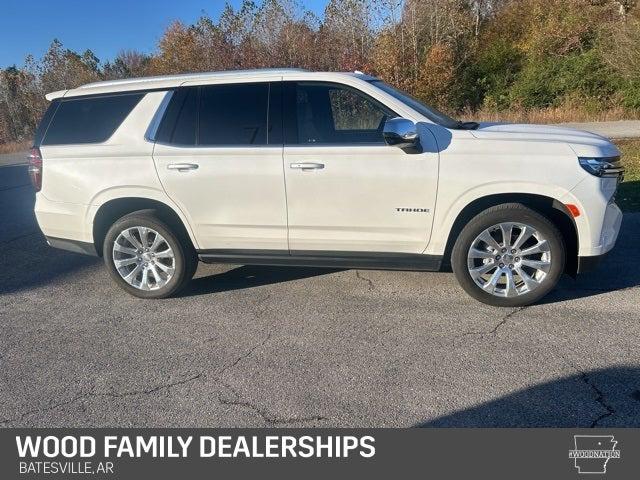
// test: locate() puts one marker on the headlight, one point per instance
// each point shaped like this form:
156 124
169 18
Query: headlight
602 166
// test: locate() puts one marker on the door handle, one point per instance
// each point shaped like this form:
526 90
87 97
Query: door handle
182 167
307 166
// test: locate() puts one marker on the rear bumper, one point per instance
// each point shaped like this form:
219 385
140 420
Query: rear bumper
76 246
589 264
60 220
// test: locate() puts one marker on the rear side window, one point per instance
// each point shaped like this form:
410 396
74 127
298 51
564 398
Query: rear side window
233 114
88 120
180 120
242 114
274 123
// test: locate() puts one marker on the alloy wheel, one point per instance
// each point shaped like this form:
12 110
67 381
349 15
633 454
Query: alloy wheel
509 259
143 258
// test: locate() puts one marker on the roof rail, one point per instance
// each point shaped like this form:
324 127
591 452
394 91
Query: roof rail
189 76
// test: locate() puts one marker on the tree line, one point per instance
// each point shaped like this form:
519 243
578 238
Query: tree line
457 55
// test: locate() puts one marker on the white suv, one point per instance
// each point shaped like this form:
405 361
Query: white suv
289 167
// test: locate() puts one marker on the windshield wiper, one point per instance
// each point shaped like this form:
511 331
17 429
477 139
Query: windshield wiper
468 125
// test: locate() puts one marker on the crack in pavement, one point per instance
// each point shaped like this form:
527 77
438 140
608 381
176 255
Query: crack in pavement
388 329
245 355
43 410
601 400
237 401
600 397
494 330
365 279
264 414
153 389
93 394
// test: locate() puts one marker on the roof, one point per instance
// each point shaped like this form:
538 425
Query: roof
172 81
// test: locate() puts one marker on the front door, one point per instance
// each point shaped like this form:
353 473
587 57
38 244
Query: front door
347 191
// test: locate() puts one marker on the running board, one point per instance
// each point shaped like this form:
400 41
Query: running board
329 259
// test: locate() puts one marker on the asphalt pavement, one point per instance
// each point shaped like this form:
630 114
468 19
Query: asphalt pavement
16 158
267 346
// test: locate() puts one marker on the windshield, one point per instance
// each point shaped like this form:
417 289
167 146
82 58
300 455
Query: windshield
431 113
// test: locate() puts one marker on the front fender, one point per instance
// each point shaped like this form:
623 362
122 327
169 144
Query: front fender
450 205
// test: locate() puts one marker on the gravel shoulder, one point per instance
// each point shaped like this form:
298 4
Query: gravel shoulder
13 158
617 129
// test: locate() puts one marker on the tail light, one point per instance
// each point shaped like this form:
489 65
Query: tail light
35 168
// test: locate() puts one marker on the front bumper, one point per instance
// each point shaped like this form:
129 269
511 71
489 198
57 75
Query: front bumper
608 236
610 228
599 221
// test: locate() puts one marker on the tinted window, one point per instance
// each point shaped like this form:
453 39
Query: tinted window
429 112
274 135
240 114
184 130
233 114
44 123
334 114
179 122
351 111
89 120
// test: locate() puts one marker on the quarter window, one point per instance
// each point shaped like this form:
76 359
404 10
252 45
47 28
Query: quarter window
89 119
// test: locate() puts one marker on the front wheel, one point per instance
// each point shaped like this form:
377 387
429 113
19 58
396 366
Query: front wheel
146 258
508 256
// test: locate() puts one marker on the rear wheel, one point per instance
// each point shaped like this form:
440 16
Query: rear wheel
508 256
146 258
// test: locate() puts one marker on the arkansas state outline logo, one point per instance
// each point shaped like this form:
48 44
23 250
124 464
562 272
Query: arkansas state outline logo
592 452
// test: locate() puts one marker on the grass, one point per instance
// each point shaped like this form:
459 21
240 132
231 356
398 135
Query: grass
628 196
562 114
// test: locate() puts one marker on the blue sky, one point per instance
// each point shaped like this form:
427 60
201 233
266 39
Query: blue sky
105 27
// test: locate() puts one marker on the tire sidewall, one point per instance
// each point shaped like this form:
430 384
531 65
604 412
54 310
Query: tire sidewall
516 215
142 220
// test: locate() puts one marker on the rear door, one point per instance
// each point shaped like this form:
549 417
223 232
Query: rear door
218 154
347 191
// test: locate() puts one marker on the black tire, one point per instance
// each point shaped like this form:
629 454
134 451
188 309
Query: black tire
517 213
186 259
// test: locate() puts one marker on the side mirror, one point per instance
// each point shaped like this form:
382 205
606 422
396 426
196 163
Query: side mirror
401 133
